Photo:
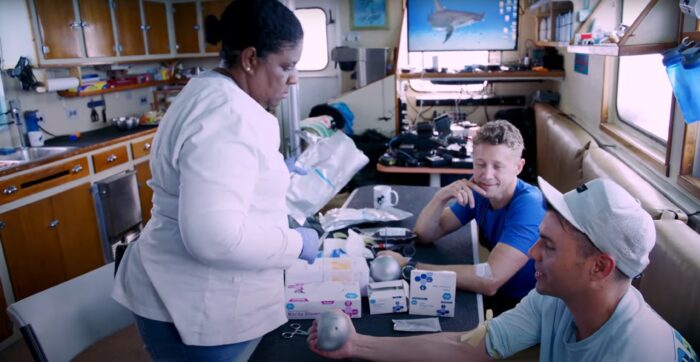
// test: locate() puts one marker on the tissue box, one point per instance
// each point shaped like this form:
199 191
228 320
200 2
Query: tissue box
433 293
346 269
388 297
308 301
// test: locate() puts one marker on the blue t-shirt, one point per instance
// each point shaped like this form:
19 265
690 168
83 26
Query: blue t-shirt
634 332
517 224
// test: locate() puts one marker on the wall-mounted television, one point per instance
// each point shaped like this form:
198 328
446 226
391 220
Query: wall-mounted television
459 25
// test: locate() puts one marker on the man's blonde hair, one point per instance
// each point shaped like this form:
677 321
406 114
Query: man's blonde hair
500 132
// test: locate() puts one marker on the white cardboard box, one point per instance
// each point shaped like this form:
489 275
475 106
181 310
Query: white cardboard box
345 269
308 301
388 297
433 293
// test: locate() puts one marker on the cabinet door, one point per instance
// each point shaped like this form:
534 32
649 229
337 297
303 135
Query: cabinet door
128 15
143 174
78 236
156 27
186 27
215 8
59 28
32 251
96 21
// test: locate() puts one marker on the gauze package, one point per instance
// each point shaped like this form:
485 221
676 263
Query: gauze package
330 163
417 325
340 218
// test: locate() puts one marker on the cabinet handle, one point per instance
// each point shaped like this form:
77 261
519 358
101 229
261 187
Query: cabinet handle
9 190
84 24
146 146
111 158
74 24
76 169
2 225
196 27
53 224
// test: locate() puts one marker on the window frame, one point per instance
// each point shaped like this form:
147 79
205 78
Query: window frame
646 147
328 57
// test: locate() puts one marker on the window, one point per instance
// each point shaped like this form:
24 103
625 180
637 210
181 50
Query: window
314 57
644 95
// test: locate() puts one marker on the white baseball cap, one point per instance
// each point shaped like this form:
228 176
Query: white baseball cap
611 218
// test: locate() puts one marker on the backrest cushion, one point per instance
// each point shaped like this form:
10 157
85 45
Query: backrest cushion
671 282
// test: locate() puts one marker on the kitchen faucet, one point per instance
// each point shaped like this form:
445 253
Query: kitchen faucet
17 122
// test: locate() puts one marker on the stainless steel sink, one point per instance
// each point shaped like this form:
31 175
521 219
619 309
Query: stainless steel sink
26 155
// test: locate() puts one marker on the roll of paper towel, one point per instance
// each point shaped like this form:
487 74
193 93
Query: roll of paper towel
57 84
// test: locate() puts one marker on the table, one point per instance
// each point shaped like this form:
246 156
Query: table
451 249
434 172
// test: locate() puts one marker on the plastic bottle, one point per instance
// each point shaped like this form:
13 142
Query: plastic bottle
672 60
691 74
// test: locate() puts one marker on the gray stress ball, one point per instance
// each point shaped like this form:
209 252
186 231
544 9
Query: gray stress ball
385 268
333 330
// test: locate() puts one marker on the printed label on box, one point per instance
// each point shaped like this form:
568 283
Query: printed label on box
308 301
433 293
388 297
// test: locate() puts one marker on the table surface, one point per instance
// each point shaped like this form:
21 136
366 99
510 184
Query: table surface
451 249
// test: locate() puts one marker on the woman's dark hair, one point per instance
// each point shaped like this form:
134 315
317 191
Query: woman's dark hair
266 25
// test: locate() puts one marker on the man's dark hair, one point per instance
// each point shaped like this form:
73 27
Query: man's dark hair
266 25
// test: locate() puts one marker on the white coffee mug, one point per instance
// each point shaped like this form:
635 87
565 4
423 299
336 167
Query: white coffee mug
383 195
36 138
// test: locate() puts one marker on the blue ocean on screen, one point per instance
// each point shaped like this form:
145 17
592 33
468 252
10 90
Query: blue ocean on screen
439 25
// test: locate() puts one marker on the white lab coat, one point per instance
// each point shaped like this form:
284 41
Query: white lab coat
211 259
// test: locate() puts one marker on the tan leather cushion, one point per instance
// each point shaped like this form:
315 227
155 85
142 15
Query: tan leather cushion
671 282
599 162
561 146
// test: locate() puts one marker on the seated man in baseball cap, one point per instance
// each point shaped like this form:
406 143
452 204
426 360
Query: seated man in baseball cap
593 241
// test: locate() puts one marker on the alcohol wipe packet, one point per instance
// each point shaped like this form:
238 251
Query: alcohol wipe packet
417 325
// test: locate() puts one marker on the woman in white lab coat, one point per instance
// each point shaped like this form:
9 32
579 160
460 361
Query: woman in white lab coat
206 275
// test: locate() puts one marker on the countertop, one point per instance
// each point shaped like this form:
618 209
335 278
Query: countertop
87 142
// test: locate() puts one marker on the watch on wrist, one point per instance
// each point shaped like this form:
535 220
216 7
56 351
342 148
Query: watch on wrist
406 270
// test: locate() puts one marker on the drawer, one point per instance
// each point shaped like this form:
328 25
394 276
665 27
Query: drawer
141 148
33 182
110 158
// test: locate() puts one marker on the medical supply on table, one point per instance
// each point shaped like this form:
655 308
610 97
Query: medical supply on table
308 301
385 268
330 163
296 331
417 325
333 330
345 269
336 219
388 297
433 293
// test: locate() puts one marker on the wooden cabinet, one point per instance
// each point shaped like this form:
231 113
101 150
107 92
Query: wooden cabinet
186 27
156 27
215 8
107 159
30 183
96 22
58 27
61 29
130 27
143 174
50 241
141 148
555 22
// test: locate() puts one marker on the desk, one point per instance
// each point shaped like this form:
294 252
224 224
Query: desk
434 172
454 248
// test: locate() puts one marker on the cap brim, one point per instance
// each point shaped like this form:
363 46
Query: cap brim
556 199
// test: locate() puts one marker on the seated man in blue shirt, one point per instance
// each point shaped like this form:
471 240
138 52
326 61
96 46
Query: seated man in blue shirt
593 241
507 210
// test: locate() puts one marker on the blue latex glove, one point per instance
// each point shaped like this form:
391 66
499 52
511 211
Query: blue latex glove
311 243
292 166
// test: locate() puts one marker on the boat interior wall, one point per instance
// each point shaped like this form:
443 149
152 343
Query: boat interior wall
567 156
670 282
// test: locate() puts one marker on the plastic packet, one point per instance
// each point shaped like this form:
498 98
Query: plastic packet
340 218
417 325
